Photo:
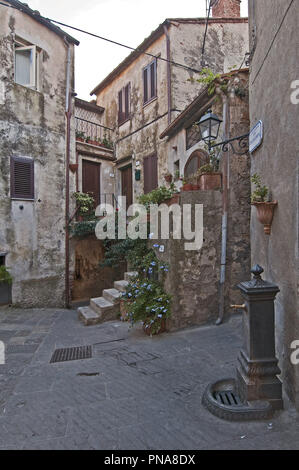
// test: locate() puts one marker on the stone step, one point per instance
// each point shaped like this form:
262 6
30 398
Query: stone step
88 316
112 295
105 309
130 275
121 285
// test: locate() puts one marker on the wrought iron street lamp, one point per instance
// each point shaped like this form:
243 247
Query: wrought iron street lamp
209 126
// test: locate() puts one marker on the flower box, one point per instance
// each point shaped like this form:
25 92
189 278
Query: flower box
149 331
265 213
210 181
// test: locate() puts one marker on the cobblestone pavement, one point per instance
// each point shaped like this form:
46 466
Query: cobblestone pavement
135 392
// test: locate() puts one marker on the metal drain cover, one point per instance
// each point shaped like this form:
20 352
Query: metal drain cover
71 354
227 397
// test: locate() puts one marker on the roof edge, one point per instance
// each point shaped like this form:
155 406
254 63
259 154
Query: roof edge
23 7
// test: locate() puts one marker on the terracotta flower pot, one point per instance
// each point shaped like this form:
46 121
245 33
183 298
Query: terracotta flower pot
148 331
80 139
74 167
265 213
187 187
195 187
210 181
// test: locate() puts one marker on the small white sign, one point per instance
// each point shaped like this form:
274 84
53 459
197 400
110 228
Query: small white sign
256 136
2 353
161 248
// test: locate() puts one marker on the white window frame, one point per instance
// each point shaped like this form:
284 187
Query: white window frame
33 66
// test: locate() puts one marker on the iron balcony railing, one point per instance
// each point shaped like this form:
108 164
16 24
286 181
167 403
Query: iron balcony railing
93 133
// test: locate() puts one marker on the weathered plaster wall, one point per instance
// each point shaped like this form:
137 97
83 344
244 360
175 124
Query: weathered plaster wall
32 123
276 161
225 48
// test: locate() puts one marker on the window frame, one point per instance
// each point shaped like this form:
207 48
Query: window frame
33 66
151 79
22 196
124 103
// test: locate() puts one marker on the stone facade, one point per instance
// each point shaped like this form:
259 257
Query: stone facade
180 40
276 161
33 124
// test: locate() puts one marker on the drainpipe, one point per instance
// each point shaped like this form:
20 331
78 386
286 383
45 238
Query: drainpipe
168 72
68 113
226 124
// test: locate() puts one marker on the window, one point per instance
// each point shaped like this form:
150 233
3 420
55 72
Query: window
150 172
124 104
26 65
150 82
22 177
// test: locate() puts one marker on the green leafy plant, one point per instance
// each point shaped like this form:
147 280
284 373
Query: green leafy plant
5 275
80 135
261 191
157 196
85 203
107 143
177 175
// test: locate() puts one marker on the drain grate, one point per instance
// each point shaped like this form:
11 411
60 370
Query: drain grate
228 398
71 354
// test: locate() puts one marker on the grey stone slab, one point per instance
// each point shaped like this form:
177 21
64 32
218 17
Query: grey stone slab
33 384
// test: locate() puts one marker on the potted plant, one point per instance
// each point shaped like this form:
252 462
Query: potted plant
85 205
260 198
80 136
5 286
208 178
147 302
187 185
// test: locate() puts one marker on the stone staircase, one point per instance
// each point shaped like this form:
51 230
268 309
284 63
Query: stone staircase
107 307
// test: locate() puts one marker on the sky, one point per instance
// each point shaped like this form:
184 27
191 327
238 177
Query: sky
125 21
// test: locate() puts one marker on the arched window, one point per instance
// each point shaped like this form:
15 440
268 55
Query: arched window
196 160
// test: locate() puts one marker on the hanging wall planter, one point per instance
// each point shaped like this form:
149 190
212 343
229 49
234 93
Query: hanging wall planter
265 213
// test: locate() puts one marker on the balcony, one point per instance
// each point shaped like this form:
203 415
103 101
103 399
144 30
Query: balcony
93 134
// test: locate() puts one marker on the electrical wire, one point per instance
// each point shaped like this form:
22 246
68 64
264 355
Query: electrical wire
177 64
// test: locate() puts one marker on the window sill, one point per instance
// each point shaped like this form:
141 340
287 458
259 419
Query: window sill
21 199
150 101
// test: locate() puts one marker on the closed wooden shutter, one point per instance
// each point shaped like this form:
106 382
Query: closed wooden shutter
22 178
91 179
120 106
150 171
145 86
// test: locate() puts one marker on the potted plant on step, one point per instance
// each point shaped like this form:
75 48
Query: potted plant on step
80 136
85 205
187 185
168 177
5 286
260 198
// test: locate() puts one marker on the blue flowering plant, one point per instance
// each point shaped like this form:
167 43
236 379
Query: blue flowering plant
147 302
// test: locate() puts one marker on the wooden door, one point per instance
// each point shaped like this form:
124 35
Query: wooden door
150 171
127 184
91 179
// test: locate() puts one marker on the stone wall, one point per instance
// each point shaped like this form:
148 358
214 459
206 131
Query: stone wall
226 44
32 124
226 8
276 161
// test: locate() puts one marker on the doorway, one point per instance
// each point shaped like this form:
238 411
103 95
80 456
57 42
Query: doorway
91 179
127 185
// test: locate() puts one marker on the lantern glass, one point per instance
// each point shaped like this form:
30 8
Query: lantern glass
209 126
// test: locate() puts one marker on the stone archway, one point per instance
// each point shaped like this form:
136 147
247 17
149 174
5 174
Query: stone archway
197 159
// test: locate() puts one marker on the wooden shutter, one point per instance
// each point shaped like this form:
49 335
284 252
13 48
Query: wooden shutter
150 172
22 178
145 85
153 79
91 179
120 106
127 101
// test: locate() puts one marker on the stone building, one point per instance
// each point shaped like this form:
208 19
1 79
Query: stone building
146 93
194 276
274 74
36 85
